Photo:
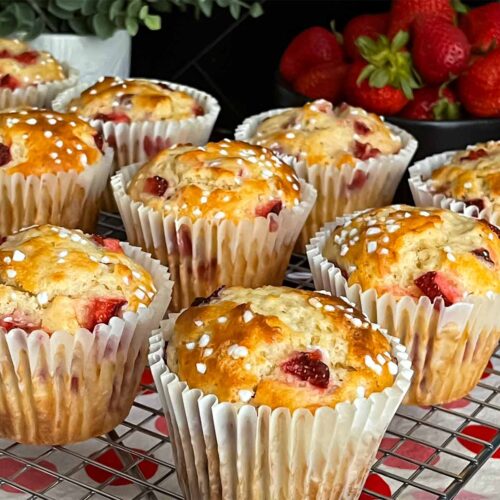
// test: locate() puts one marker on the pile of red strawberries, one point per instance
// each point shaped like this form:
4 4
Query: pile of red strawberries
424 60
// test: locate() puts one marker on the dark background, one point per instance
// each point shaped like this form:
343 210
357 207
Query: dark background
236 61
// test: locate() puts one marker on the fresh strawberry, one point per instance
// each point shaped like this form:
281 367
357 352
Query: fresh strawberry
9 82
156 185
308 366
483 254
479 86
440 49
432 103
383 82
325 81
482 27
272 206
101 310
115 116
404 12
5 156
109 243
370 25
435 284
310 48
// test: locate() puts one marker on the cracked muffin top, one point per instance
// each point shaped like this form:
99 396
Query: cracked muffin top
409 251
58 279
35 142
222 180
280 347
320 134
21 66
112 99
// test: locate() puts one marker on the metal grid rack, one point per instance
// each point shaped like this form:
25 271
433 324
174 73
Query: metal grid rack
139 445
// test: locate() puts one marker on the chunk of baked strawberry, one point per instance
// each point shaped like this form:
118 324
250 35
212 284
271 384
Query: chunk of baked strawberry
19 320
474 155
101 310
434 284
358 180
272 206
109 243
308 366
483 254
28 57
3 239
361 128
9 82
115 116
198 110
364 150
155 185
5 156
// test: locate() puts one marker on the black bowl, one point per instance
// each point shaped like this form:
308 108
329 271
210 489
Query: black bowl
432 136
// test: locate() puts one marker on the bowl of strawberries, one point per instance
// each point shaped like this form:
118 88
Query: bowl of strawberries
431 67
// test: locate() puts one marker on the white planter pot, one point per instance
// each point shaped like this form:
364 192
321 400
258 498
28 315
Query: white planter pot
91 55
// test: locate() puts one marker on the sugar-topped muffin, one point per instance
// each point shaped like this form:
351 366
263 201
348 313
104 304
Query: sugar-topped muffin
225 180
21 66
280 347
323 135
57 279
472 176
36 142
124 101
408 251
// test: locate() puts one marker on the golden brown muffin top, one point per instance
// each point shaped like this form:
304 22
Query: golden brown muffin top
322 135
409 251
36 142
58 279
222 180
124 101
280 347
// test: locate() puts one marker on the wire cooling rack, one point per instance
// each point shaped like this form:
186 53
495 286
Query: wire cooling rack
140 464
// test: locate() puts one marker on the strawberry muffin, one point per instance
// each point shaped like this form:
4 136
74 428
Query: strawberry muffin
30 77
432 277
352 157
53 169
139 118
284 360
79 308
227 213
467 181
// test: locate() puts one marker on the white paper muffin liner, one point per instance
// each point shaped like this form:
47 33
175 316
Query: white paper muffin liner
139 141
38 96
236 451
68 199
335 198
206 254
64 388
422 170
449 346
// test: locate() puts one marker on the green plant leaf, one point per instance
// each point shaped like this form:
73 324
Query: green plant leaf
89 7
256 9
79 25
131 25
104 6
235 10
24 15
162 5
60 13
379 78
365 73
400 40
36 29
116 8
143 13
206 7
119 21
8 23
133 8
70 5
103 27
153 22
223 3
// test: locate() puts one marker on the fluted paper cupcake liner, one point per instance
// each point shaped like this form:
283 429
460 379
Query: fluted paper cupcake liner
206 254
338 193
449 346
38 96
236 451
68 199
64 388
423 196
139 141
